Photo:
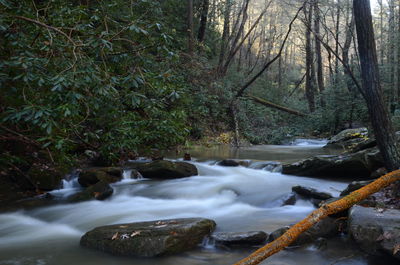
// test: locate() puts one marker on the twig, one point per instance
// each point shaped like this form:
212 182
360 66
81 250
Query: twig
48 27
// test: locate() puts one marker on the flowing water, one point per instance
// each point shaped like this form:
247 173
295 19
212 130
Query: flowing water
238 199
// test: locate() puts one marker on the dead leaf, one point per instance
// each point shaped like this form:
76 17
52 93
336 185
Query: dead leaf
135 233
124 236
115 236
160 226
396 249
385 236
174 233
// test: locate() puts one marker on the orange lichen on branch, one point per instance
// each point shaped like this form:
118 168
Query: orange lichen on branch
337 206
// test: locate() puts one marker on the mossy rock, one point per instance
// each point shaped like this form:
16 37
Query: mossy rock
357 165
44 177
352 140
91 176
149 239
163 169
99 191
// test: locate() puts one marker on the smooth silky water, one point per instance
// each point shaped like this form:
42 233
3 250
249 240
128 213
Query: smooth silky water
238 199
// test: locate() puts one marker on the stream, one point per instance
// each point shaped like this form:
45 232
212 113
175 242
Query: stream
237 198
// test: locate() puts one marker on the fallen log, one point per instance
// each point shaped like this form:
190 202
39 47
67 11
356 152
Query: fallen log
275 106
328 209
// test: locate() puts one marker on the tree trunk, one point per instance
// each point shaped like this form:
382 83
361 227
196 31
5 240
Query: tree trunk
391 54
379 116
275 106
335 207
318 54
310 73
225 34
190 27
203 20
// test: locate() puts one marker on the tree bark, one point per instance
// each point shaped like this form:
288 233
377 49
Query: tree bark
275 106
335 207
225 35
371 85
190 27
310 73
320 72
203 20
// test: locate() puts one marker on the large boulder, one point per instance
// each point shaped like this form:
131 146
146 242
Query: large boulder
239 238
44 177
90 176
163 169
99 191
360 164
149 239
348 139
376 231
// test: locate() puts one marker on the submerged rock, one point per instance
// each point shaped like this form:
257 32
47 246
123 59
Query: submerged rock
271 166
360 164
376 231
163 169
99 191
228 163
91 176
311 193
239 238
289 199
149 239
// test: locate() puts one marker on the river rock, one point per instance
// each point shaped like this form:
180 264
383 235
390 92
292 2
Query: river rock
91 176
289 199
239 238
355 185
376 231
44 177
99 191
326 228
163 169
311 193
228 163
149 239
360 164
349 138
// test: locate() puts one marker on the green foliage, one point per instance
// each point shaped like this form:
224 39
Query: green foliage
100 76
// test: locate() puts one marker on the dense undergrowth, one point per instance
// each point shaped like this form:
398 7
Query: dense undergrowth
114 77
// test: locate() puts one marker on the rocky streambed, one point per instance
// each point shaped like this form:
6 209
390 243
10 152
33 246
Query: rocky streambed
232 208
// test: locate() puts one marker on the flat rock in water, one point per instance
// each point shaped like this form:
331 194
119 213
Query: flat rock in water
360 164
149 239
311 193
239 238
163 169
376 230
